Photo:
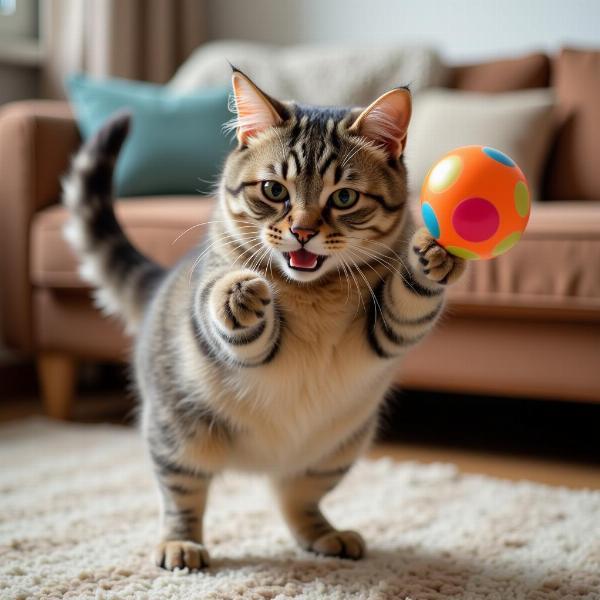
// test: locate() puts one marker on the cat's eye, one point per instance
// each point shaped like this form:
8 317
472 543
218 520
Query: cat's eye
344 198
274 191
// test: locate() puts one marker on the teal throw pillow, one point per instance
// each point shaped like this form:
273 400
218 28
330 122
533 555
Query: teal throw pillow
176 144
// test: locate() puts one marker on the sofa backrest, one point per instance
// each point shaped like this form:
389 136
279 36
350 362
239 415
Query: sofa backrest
320 74
508 75
571 171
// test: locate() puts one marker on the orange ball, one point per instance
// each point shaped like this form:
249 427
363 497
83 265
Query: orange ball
475 202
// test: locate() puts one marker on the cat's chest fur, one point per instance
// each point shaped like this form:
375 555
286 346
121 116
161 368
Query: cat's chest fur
322 385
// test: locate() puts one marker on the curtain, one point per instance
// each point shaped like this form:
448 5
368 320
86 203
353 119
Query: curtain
135 39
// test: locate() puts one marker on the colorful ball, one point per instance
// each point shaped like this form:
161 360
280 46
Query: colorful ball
475 202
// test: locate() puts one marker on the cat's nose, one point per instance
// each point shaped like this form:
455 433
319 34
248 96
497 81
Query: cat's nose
303 234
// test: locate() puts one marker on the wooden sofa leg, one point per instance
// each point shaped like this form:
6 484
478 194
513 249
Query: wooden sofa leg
58 374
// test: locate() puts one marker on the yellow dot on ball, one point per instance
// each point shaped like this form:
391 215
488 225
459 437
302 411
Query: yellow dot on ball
445 174
521 198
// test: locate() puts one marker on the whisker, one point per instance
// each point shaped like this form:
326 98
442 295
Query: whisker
248 249
235 241
347 278
375 301
378 243
362 144
388 265
269 264
359 258
256 262
350 154
357 286
265 261
259 243
226 239
207 223
256 259
213 243
195 265
381 254
392 267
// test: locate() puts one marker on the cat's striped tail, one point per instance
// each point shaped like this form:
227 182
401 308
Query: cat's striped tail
122 277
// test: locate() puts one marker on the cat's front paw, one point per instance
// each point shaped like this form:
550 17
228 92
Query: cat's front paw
239 300
433 261
179 554
342 544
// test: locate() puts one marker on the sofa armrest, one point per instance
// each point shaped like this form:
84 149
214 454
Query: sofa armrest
37 139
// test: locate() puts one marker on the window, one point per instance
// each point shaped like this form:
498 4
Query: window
8 7
18 20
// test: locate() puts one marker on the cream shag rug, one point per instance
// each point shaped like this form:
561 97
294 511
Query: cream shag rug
78 519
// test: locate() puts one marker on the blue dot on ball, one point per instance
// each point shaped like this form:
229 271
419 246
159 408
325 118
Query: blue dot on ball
430 219
499 156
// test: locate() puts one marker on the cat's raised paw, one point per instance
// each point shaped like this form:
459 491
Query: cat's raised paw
436 263
176 554
343 544
239 300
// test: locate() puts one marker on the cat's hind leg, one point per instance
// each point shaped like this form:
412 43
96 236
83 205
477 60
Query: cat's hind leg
183 494
299 497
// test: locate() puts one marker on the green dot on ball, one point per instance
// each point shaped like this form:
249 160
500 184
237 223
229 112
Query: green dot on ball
521 198
507 243
462 252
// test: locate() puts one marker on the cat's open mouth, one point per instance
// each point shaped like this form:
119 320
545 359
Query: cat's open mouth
303 260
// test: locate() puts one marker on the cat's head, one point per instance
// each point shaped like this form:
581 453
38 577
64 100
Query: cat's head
315 190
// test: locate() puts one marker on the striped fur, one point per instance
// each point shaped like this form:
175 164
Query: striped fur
123 278
243 362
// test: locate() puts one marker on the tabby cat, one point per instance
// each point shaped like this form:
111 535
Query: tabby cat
271 349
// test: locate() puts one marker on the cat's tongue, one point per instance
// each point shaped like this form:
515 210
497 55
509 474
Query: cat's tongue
303 259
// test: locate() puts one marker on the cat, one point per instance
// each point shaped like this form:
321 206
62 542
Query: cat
272 349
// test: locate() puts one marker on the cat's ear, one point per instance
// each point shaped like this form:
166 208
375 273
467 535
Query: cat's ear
255 110
385 122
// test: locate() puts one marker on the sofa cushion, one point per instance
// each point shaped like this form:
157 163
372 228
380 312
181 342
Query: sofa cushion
63 314
573 170
531 71
153 225
176 143
553 269
446 119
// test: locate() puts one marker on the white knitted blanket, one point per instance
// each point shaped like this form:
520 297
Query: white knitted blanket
316 74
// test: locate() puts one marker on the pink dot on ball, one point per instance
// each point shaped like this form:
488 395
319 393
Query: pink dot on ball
475 219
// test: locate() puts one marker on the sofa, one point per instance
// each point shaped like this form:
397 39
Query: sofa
527 324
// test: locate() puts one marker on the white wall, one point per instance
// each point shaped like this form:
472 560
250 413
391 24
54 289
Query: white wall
463 30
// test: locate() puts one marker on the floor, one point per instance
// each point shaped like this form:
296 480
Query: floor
552 443
550 471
